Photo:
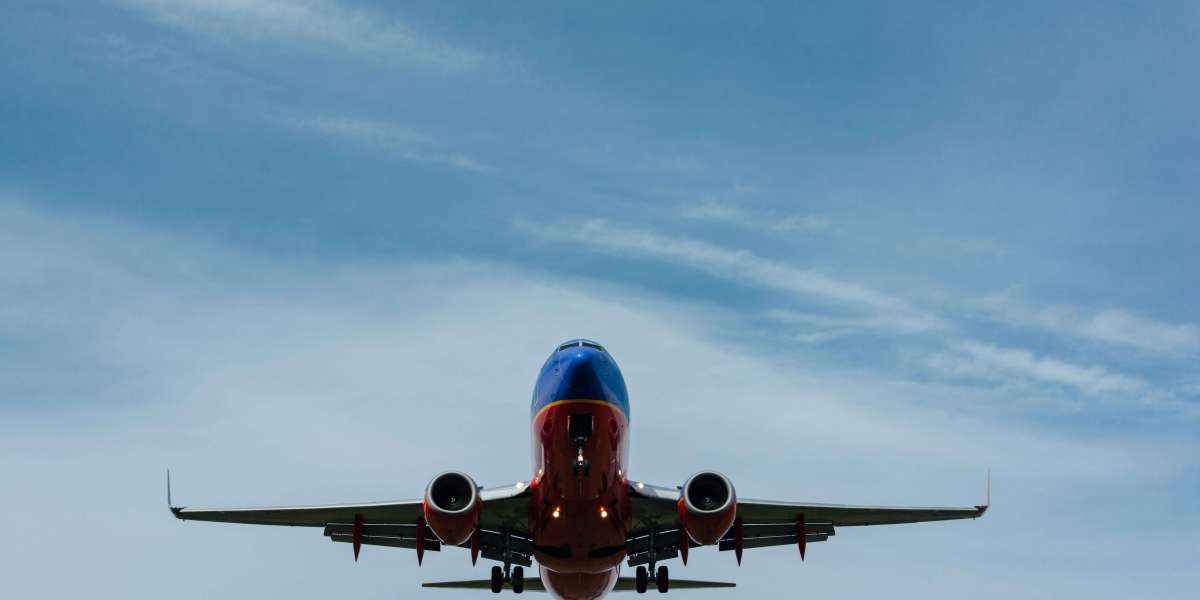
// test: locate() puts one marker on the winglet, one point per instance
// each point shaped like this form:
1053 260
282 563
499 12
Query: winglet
982 508
170 505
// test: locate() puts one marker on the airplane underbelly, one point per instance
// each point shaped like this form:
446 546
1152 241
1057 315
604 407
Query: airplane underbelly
578 586
579 510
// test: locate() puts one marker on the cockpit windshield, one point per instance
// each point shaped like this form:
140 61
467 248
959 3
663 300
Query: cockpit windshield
581 343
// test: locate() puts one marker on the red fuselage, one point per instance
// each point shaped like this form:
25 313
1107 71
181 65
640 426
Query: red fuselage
579 512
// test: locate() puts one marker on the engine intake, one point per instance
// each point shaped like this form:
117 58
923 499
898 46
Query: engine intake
709 507
451 507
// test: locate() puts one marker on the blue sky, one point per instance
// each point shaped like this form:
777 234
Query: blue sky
852 253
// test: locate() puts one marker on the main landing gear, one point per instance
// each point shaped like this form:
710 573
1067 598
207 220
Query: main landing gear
661 580
644 576
509 574
516 579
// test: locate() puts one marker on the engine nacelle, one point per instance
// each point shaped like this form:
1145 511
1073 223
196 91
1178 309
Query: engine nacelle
708 507
452 507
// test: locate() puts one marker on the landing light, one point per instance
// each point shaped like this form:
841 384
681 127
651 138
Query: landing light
603 513
556 513
641 485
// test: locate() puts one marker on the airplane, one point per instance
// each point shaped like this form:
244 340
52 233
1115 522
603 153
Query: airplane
580 516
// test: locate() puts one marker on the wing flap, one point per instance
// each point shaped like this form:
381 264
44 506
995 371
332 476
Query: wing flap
374 529
757 530
393 542
306 516
766 542
845 515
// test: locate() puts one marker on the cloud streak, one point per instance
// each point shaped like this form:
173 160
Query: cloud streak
820 328
992 362
1111 326
739 266
733 214
391 140
320 23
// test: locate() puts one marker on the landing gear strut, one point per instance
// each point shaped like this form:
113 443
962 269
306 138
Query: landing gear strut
509 574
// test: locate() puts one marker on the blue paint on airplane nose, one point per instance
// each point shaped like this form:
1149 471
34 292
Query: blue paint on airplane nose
580 371
581 379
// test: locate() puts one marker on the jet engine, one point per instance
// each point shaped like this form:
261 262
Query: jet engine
452 507
707 507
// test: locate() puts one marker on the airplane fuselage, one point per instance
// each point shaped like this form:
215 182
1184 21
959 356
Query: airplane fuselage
579 512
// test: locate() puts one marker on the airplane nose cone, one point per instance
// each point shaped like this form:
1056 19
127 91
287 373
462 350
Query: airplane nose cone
581 377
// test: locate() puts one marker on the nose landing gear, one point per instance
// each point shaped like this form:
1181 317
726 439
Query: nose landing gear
579 429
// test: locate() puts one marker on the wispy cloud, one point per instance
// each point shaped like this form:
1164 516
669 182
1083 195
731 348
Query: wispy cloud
739 266
813 328
323 23
987 361
392 140
386 138
735 214
1114 326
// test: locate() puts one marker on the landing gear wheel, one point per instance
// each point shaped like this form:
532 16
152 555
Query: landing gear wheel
661 580
497 579
518 580
642 580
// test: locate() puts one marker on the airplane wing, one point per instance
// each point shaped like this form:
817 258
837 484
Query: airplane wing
502 520
763 523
